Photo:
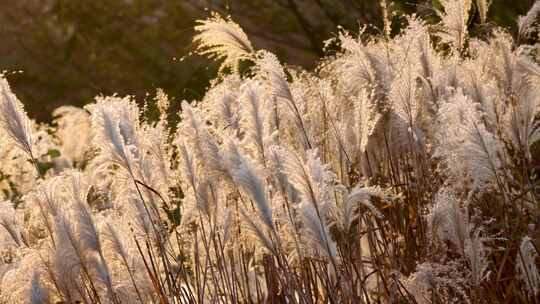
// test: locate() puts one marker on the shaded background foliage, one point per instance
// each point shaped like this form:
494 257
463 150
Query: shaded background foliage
58 52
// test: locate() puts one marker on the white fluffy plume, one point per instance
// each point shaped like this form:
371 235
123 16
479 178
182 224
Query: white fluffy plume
13 119
223 39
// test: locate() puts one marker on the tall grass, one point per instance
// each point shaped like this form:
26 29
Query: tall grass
403 169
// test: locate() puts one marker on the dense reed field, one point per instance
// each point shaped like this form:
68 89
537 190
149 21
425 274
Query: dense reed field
403 169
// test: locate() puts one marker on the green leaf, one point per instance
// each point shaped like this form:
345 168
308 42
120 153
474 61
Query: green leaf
44 167
437 5
53 153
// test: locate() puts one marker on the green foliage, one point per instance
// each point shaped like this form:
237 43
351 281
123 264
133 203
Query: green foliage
70 51
74 50
45 165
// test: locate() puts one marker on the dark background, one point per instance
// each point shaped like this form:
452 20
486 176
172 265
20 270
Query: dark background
57 52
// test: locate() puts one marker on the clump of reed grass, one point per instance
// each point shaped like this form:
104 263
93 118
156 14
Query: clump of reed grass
404 169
